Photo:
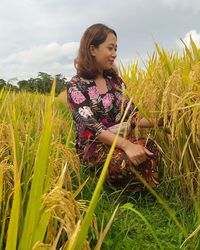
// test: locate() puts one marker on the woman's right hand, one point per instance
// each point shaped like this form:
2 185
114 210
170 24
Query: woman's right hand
136 153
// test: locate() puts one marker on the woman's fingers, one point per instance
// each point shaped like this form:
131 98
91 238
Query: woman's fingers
142 156
137 154
149 153
135 163
136 160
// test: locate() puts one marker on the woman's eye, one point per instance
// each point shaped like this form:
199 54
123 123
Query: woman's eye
112 48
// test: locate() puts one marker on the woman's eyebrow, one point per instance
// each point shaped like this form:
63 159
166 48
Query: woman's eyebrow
113 45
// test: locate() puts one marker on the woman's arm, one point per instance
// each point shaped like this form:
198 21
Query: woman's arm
144 123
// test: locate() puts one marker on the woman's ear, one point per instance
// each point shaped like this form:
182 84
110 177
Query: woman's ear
92 50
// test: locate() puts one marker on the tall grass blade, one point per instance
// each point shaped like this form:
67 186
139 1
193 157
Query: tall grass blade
69 135
191 235
11 241
37 188
103 234
195 50
79 240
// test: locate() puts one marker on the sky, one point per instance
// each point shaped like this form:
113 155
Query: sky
43 35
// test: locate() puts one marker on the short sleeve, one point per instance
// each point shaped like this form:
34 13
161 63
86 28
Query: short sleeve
79 104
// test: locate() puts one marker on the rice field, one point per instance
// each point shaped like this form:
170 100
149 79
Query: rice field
49 201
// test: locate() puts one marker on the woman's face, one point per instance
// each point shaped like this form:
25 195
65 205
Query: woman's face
105 54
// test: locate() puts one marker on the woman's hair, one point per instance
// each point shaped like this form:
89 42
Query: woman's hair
85 63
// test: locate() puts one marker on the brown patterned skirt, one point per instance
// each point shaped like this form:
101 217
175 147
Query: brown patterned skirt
121 169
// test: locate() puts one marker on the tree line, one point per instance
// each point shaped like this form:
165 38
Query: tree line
41 84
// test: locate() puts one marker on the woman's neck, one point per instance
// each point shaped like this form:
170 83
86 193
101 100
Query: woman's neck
99 77
101 84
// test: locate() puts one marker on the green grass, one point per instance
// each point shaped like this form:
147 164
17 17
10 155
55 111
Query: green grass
128 230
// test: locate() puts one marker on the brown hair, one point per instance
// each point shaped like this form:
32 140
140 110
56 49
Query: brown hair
85 63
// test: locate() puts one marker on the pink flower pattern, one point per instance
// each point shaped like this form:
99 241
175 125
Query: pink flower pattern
107 100
90 109
94 113
77 97
93 92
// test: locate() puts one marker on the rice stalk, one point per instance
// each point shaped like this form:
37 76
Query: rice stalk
11 241
78 240
32 216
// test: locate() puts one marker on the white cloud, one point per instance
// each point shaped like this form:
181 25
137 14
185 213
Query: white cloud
46 53
36 35
51 58
193 5
195 36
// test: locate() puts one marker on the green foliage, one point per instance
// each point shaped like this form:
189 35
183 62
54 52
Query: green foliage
2 83
41 84
35 169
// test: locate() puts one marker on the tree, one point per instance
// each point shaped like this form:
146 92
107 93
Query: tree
60 84
2 83
43 83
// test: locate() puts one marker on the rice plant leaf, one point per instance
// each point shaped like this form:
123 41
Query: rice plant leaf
1 184
11 241
167 63
191 235
195 50
187 49
80 188
157 48
42 227
69 135
103 234
79 239
3 98
38 181
164 58
3 223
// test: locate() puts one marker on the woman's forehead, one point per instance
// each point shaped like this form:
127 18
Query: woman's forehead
111 39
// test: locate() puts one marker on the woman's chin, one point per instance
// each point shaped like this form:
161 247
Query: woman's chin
108 67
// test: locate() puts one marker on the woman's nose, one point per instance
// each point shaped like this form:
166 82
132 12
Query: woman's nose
114 54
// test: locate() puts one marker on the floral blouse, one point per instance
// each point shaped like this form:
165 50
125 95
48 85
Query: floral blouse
94 112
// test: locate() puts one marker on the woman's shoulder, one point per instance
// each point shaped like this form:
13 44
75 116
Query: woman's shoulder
117 82
79 84
78 81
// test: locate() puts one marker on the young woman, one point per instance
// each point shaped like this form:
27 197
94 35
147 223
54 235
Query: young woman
96 99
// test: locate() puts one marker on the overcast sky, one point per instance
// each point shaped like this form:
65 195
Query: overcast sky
44 35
